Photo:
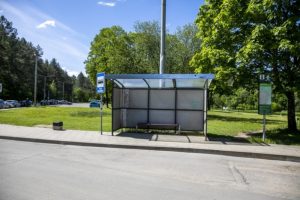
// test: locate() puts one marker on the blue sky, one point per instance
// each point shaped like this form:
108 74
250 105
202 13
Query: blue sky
64 28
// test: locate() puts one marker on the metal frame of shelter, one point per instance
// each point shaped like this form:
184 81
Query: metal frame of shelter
160 98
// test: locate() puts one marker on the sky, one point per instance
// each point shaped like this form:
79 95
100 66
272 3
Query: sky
65 28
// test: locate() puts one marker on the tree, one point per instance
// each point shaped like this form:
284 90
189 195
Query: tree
189 44
17 62
145 46
241 38
53 89
80 80
109 52
83 90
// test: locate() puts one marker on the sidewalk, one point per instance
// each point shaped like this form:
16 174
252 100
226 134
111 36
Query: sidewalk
192 144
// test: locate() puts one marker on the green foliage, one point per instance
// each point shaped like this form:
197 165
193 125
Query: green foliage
180 48
73 118
109 53
241 38
17 62
241 99
83 90
53 89
115 51
145 47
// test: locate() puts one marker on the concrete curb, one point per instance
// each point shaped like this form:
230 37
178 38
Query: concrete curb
161 148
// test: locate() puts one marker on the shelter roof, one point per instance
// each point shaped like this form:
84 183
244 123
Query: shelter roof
201 81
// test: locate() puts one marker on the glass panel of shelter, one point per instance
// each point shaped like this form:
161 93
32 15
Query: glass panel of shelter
133 83
160 83
190 83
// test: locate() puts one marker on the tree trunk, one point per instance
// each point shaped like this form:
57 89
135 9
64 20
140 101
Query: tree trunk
292 126
209 99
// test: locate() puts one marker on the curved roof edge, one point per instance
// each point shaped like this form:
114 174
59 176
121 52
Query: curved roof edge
160 76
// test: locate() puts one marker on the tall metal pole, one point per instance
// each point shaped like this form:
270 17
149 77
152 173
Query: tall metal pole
63 90
45 80
101 115
264 127
162 36
35 79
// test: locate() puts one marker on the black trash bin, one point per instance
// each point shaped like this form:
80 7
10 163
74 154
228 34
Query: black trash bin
58 126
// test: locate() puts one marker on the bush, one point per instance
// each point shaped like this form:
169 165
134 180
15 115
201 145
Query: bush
276 107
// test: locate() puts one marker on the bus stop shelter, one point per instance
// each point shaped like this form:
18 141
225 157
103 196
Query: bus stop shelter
160 100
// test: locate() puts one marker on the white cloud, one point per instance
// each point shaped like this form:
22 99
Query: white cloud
108 4
1 11
71 72
45 24
69 47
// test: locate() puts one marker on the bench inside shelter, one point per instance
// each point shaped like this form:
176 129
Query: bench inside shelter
148 126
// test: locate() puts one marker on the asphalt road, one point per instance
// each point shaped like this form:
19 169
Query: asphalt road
47 171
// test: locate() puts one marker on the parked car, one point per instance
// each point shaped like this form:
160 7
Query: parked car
8 104
25 103
1 103
52 102
14 103
94 104
43 102
66 102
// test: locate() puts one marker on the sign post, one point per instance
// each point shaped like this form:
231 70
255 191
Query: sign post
100 90
265 101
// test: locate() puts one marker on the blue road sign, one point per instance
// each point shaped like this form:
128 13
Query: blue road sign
100 83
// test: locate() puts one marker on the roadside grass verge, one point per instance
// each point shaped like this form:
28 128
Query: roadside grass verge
278 136
73 117
225 126
231 123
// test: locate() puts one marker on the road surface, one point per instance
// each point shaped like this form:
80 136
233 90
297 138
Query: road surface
49 171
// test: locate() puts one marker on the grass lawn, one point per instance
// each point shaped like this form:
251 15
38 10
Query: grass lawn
73 117
231 122
220 124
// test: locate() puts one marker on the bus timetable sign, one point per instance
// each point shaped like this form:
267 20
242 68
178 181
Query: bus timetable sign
100 83
265 96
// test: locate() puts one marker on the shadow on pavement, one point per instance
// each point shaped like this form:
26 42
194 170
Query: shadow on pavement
186 138
164 137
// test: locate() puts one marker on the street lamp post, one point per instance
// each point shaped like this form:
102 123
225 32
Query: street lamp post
45 83
45 79
162 36
63 91
35 79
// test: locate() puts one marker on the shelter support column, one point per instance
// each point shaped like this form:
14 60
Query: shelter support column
205 110
112 108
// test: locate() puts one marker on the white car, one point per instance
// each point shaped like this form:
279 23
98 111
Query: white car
14 103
